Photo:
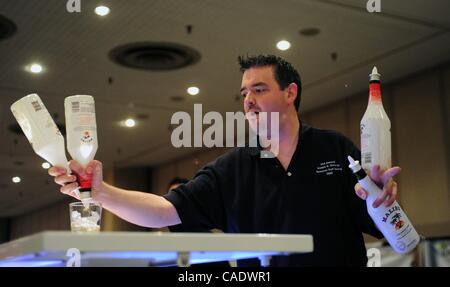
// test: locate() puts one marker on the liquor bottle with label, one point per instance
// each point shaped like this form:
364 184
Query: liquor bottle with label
81 129
390 220
375 129
41 131
376 150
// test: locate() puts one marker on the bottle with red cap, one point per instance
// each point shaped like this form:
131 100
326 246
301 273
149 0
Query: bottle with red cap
82 143
375 129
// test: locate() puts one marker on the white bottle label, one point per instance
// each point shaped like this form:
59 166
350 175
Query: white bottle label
81 128
395 226
375 144
391 221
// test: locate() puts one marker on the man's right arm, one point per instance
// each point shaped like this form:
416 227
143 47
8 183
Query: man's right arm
144 209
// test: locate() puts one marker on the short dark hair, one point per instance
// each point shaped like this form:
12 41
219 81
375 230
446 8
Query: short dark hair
177 180
285 73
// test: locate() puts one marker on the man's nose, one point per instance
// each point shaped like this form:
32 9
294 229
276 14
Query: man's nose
249 100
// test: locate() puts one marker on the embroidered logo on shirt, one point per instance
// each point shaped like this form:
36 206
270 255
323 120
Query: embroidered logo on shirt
328 167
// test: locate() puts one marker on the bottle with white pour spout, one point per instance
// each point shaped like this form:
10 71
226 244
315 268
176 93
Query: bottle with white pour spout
40 129
81 136
392 220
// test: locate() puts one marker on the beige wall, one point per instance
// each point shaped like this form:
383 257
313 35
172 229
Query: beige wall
421 150
419 111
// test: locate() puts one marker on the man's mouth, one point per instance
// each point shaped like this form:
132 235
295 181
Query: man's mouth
255 112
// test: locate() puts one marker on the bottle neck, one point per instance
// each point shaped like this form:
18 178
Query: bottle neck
374 92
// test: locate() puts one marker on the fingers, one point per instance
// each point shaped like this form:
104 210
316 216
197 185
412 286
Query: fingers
56 171
71 189
360 192
390 173
65 179
68 185
93 166
375 173
68 181
392 196
381 177
387 191
76 168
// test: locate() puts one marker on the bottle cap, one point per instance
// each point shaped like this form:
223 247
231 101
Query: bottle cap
354 164
374 76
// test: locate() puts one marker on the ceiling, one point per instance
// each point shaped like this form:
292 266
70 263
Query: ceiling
407 36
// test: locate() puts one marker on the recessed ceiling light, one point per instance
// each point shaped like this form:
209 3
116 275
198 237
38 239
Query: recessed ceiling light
130 123
16 179
193 91
36 68
45 165
102 10
283 45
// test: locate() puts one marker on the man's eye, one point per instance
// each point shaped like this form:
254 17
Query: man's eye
259 90
243 94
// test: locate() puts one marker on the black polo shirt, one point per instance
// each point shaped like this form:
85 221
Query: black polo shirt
240 192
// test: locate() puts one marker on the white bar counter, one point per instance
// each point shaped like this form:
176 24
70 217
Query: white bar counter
59 248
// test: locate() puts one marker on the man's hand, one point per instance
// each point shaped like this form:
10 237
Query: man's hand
69 183
384 180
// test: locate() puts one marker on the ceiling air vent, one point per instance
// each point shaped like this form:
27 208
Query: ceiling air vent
154 56
7 28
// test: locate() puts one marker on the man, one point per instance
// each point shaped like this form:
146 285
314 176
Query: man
240 192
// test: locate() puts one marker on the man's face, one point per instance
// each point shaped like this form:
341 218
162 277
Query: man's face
261 91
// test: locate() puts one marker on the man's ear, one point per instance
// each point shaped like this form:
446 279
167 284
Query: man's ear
292 90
